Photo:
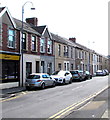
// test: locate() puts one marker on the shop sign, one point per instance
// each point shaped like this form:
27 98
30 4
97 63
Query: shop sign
9 57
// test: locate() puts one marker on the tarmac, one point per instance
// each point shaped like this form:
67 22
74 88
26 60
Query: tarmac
11 92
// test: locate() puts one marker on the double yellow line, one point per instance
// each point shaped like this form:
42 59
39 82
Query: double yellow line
12 98
73 106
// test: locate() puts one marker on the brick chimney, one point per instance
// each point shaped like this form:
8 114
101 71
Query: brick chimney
73 39
33 21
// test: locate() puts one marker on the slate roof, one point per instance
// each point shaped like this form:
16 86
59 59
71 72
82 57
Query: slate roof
63 40
81 46
40 29
27 27
1 9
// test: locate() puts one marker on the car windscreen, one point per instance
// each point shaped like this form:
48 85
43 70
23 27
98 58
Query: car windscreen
33 77
55 73
45 76
74 72
87 72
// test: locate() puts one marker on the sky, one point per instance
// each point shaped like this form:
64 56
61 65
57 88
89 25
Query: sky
86 20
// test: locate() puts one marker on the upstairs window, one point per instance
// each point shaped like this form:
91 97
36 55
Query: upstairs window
0 34
66 51
49 46
11 38
33 43
59 50
42 45
71 52
24 41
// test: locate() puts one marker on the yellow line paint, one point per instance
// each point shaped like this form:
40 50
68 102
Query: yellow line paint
64 111
12 98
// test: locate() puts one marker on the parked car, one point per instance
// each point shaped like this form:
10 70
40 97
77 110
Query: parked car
100 73
107 73
88 75
39 80
62 77
77 75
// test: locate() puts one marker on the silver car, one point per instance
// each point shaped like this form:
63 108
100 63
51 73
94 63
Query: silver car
39 80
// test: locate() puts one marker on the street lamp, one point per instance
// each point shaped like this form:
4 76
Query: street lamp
32 8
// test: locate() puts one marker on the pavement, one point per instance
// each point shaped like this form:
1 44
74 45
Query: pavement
10 92
100 102
97 107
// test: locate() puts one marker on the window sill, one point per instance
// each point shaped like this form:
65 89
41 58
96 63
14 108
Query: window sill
42 52
11 48
34 51
49 53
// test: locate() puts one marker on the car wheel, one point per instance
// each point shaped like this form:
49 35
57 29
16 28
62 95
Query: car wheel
80 79
70 81
63 81
53 84
28 88
43 85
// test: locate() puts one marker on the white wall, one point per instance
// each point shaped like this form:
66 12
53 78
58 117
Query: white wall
28 58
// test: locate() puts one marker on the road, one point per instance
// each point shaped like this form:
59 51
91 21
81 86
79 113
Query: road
51 102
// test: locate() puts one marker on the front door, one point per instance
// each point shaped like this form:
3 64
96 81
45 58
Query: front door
28 68
37 66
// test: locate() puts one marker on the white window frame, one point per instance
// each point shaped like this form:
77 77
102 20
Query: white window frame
11 36
42 45
33 40
49 46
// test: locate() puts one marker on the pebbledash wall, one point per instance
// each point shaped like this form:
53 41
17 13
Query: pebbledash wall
29 59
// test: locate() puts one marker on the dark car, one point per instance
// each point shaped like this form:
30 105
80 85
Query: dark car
88 75
77 75
107 73
100 73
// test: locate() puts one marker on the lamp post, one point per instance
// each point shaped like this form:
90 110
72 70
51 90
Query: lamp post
32 8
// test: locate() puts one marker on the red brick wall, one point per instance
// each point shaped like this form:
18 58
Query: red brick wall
5 40
17 44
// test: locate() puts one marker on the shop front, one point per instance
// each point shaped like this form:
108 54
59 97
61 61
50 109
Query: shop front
10 65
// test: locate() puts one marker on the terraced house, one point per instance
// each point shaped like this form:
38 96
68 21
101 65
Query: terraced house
9 48
42 50
37 48
64 53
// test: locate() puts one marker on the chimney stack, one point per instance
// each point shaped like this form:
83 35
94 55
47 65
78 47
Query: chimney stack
73 39
33 21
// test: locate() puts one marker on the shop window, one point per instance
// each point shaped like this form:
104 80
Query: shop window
9 71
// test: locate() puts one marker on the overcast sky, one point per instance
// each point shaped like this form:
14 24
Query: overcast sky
87 20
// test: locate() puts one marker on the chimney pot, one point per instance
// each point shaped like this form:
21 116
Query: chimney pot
33 21
72 39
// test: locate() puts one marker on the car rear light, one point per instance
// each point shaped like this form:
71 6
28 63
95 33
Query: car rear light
79 74
38 80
